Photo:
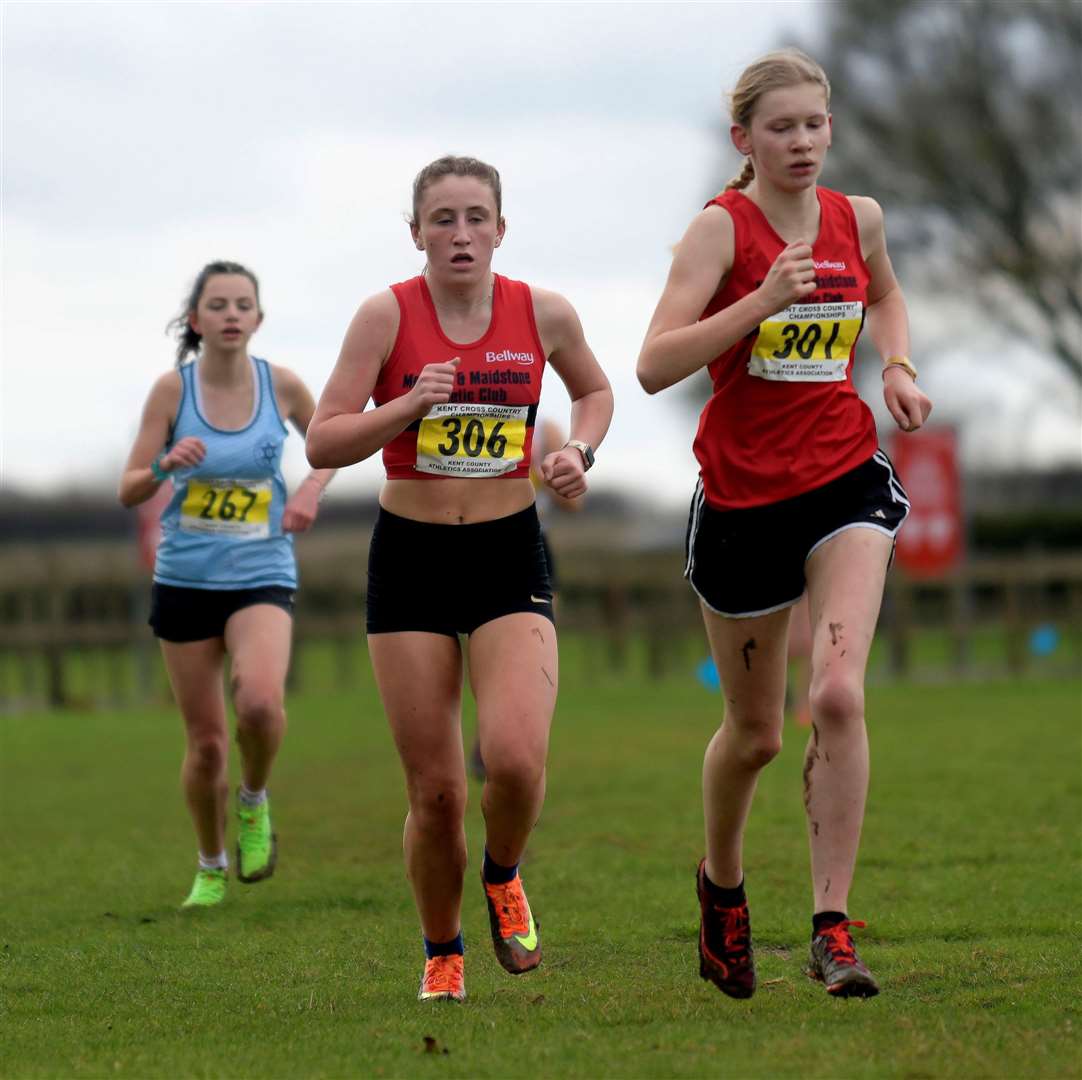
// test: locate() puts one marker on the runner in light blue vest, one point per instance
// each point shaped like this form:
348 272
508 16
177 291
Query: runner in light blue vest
222 528
225 575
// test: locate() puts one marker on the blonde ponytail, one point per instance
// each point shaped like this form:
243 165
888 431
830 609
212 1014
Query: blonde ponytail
747 174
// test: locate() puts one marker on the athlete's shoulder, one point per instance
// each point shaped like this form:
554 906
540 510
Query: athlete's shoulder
167 387
552 310
286 380
866 209
408 289
166 393
869 218
730 198
380 313
715 219
706 249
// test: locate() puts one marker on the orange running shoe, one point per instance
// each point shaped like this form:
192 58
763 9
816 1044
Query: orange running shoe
514 932
443 979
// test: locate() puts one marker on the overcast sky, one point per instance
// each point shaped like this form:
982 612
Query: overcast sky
143 140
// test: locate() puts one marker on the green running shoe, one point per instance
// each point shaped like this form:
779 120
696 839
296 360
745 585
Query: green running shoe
208 889
257 845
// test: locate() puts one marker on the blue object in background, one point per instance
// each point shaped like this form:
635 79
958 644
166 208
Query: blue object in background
1044 640
708 674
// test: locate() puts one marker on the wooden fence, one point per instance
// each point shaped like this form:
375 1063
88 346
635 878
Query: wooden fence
61 602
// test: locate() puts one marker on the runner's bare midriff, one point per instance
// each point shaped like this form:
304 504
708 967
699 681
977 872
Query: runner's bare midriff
456 500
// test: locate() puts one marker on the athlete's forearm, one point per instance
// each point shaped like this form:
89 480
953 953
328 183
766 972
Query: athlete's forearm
348 438
671 356
136 486
319 478
888 324
590 416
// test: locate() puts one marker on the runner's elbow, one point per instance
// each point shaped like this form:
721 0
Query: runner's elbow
649 379
316 450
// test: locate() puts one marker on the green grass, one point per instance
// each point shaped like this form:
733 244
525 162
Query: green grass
969 879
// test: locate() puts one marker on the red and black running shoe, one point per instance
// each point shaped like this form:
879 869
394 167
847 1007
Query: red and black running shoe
725 954
835 963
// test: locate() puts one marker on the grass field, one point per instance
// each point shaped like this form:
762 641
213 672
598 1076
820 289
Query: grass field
970 880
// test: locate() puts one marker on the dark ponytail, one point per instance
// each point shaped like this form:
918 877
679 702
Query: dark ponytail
187 339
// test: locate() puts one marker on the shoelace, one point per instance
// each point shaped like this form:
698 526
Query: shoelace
443 974
510 907
208 881
249 839
734 931
840 941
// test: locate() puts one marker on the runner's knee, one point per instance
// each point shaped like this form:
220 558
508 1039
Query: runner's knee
207 754
836 699
513 767
756 741
437 804
761 750
257 704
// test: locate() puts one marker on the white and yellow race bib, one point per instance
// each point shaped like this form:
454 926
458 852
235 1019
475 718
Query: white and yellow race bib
239 509
806 343
472 440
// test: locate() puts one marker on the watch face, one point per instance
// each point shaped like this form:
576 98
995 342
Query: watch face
585 450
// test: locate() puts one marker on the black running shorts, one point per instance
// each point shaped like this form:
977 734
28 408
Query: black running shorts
451 579
180 614
751 562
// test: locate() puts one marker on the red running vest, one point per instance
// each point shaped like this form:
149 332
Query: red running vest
486 429
784 417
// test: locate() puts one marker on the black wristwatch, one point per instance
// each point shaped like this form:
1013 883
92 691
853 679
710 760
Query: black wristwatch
585 449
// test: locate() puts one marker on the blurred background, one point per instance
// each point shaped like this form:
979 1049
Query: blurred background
142 141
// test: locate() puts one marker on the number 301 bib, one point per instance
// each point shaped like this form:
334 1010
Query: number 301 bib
806 343
472 440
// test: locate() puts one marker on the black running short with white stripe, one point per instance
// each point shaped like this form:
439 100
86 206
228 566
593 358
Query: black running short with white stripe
751 561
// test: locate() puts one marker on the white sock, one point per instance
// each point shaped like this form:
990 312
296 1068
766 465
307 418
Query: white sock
252 798
214 862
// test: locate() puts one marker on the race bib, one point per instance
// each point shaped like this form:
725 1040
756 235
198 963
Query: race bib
806 343
239 509
472 440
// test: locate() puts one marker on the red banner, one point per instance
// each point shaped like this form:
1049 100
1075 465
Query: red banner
932 541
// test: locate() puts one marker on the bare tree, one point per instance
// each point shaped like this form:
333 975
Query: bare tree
965 118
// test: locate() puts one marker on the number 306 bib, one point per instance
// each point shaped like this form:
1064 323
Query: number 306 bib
472 440
239 509
806 343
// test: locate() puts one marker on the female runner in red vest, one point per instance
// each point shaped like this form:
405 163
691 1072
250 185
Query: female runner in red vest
452 360
769 288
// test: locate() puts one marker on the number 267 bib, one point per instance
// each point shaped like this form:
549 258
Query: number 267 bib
806 343
472 440
239 509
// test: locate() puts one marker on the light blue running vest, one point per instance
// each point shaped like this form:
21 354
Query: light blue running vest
222 528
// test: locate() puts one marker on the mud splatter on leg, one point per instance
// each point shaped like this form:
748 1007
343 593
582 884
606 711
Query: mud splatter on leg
810 758
748 646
